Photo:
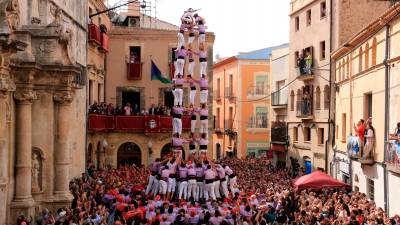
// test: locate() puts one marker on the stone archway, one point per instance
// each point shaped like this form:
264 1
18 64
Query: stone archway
128 154
166 150
218 151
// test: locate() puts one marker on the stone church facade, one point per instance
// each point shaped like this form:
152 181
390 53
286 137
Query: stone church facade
42 89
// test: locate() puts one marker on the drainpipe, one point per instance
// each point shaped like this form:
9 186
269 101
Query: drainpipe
387 105
223 120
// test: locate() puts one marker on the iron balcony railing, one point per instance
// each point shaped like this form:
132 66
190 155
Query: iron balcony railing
279 98
258 121
279 132
304 108
257 90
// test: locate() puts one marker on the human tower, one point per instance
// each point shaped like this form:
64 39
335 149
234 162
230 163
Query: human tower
192 24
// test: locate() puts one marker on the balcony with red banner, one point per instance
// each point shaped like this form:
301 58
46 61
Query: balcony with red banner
94 34
135 124
134 70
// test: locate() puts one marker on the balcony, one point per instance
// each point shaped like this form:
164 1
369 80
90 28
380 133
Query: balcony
279 133
217 95
279 99
229 93
217 126
94 34
257 91
304 109
258 123
135 124
359 154
393 156
134 70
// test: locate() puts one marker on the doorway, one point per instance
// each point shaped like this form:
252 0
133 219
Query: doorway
131 97
128 154
168 99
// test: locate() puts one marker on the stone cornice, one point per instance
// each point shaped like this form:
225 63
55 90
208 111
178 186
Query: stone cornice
63 97
25 96
6 86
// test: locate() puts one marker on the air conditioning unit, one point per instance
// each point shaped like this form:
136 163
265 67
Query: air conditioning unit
133 22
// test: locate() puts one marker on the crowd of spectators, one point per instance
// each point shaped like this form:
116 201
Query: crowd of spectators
116 196
128 110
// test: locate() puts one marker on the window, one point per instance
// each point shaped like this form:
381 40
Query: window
296 23
134 54
295 134
218 88
230 121
309 17
317 98
366 56
360 52
327 97
347 67
343 127
261 117
367 105
218 118
323 10
322 50
374 46
339 72
230 87
260 84
307 134
371 188
296 59
292 100
346 178
321 135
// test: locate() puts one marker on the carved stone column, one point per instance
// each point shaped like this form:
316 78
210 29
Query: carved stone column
24 99
62 148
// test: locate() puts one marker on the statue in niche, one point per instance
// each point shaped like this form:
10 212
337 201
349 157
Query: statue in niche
36 171
35 12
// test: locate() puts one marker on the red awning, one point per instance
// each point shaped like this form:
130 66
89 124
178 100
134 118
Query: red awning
277 147
318 180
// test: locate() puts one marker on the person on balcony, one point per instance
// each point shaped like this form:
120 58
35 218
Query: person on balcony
359 130
301 63
370 141
153 110
180 62
306 103
133 58
178 85
177 112
127 109
309 62
395 142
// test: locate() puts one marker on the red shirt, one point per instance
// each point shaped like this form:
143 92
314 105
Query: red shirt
361 129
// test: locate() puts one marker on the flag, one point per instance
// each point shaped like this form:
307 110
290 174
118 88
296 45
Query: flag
156 74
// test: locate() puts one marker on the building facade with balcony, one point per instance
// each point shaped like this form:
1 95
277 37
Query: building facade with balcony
317 28
133 43
367 77
241 105
279 62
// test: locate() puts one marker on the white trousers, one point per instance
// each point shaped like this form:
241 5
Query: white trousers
191 68
192 97
156 187
191 188
181 40
193 126
203 126
178 97
163 187
177 126
203 96
171 185
191 39
232 183
216 189
203 68
150 184
176 68
183 189
199 190
209 191
180 64
202 38
224 188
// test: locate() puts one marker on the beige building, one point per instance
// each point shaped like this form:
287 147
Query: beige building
316 28
119 139
42 89
366 73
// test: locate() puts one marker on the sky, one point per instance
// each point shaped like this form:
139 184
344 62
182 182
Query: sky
239 26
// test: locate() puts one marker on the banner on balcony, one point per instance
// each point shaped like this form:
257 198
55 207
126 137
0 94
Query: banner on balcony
152 124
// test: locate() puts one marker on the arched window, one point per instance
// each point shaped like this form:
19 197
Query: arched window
327 97
292 100
374 46
360 53
366 56
340 72
317 98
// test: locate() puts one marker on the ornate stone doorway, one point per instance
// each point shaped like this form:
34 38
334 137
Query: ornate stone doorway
128 154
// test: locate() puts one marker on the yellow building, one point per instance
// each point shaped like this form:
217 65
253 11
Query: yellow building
119 139
367 85
241 104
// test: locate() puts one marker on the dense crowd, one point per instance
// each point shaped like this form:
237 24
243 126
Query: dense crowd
264 195
110 110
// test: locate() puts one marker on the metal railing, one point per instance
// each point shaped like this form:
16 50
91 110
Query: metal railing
304 108
258 121
257 90
357 150
393 154
279 98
